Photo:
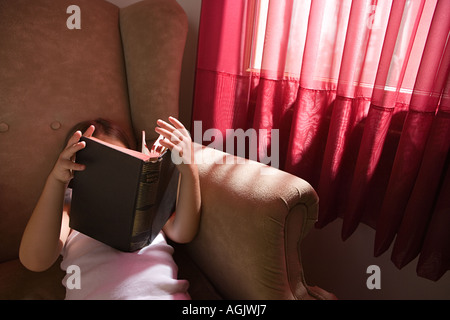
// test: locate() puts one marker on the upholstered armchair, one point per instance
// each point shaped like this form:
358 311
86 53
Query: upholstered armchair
124 64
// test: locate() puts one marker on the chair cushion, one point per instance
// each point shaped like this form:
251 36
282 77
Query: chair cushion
153 35
18 283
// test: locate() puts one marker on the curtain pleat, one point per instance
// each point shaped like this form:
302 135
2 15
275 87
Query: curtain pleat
411 149
358 94
434 260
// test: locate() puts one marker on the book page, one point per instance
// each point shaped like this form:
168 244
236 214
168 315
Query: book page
157 147
151 156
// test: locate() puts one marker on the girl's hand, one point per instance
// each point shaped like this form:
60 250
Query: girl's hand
183 225
65 165
178 140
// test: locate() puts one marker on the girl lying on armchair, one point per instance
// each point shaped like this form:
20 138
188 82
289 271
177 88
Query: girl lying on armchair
107 273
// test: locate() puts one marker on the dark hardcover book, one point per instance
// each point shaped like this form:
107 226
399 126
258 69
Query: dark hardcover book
123 198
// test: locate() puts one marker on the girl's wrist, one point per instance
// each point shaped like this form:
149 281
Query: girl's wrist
188 170
54 182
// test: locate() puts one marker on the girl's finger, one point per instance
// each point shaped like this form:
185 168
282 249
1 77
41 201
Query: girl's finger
74 138
177 129
77 147
70 165
173 136
167 143
70 151
89 131
163 124
164 132
181 128
176 122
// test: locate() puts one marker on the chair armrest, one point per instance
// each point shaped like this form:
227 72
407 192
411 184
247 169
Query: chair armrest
253 220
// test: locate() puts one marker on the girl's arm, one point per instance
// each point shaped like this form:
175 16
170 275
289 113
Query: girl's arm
48 227
183 225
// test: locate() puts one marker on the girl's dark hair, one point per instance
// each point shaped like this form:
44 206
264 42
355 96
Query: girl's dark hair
103 127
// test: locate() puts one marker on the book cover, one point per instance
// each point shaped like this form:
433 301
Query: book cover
123 198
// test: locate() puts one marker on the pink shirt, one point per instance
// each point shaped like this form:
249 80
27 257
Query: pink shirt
106 273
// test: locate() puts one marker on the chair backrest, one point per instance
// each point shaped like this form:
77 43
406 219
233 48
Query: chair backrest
122 64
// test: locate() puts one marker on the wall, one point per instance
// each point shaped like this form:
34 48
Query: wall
337 266
341 267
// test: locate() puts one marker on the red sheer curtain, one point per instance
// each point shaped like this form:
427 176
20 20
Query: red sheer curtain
358 94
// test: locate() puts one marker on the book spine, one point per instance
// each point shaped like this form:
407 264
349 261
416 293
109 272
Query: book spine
145 205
